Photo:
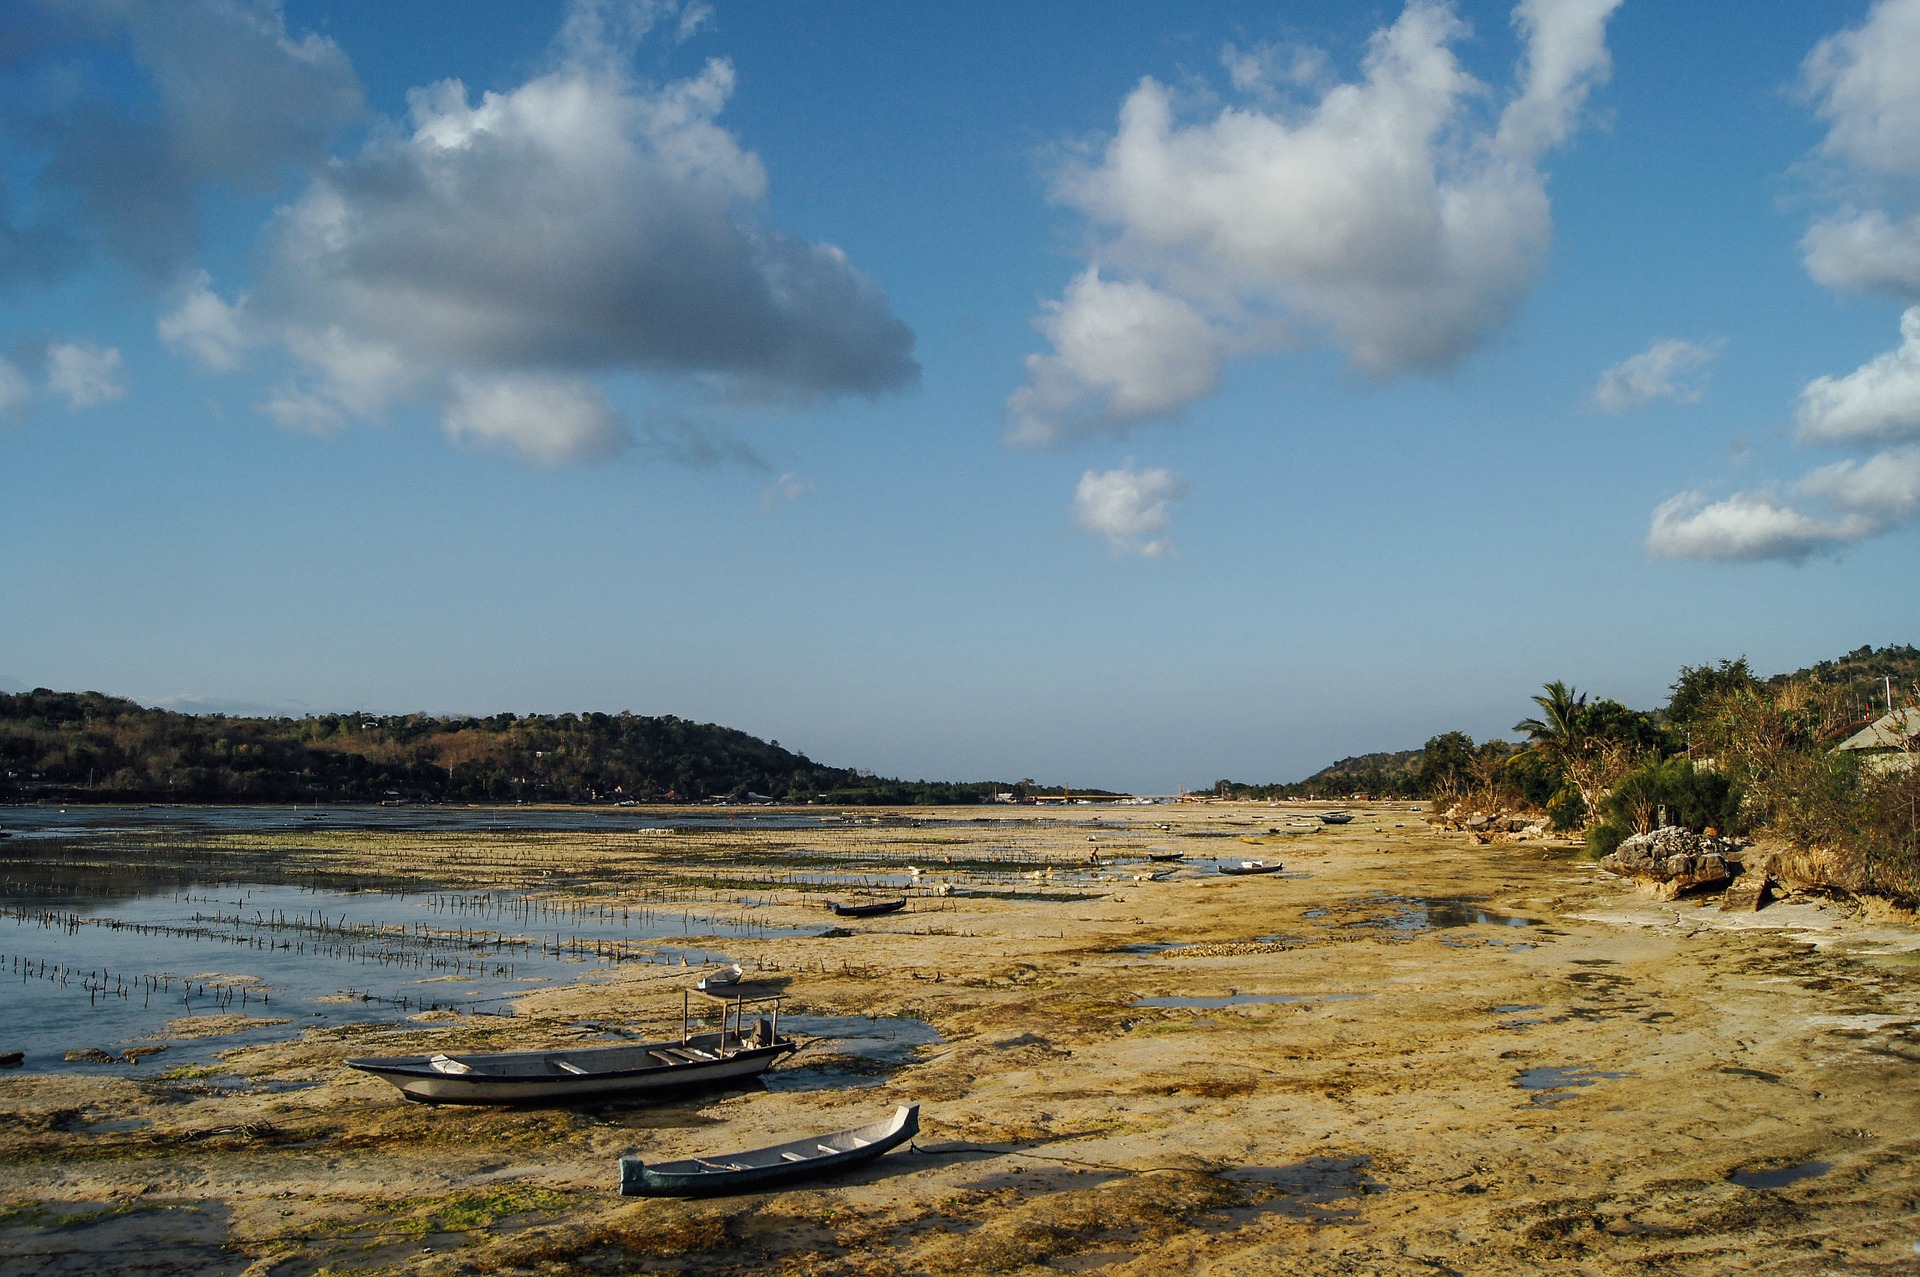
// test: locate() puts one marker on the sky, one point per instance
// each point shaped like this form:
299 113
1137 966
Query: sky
1119 395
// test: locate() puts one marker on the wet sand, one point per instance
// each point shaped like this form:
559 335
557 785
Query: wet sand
1621 1086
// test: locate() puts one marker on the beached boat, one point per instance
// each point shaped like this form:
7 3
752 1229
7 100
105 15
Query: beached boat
1252 867
724 978
570 1076
1336 817
867 910
778 1163
1166 855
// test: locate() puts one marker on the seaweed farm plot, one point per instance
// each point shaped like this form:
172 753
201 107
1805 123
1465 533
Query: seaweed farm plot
196 970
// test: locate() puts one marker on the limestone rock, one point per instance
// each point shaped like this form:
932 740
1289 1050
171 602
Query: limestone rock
1670 860
90 1055
12 1059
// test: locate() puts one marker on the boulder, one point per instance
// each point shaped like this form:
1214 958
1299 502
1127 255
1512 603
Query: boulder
12 1059
90 1055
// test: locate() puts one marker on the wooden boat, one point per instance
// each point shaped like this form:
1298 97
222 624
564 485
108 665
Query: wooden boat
590 1073
1166 855
724 978
778 1163
1251 867
1336 817
867 910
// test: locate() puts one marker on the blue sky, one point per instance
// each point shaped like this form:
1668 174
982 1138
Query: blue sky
1129 395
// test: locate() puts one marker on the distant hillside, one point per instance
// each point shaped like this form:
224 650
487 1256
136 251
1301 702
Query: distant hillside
88 747
1393 774
1863 670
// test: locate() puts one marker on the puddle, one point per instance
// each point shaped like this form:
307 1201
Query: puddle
857 1051
1244 999
1555 1084
1781 1177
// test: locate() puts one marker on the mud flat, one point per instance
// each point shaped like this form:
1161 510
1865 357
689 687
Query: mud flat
1404 1054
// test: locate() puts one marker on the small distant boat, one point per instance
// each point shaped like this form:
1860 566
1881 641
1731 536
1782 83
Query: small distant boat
1166 855
724 978
1336 817
758 1168
867 910
1252 867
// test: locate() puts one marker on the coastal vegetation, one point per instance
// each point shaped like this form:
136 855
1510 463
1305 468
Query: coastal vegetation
89 747
1729 752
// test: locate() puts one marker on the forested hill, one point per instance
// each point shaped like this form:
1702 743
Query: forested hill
1389 774
84 746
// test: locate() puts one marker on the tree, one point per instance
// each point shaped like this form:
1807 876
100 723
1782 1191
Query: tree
1593 744
1446 766
1698 686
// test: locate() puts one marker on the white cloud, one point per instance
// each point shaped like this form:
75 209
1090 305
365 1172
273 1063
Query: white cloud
1878 402
1863 499
547 420
1864 85
83 374
1129 507
1384 215
788 487
1123 352
205 327
1673 370
1745 527
1866 90
1864 251
15 390
578 225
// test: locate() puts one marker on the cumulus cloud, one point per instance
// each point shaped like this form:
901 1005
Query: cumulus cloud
83 374
1674 370
1878 402
1863 86
1387 215
544 419
1861 500
205 327
231 98
1129 507
578 225
1123 352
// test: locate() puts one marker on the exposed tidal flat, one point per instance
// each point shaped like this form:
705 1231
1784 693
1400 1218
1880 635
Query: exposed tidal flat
1406 1053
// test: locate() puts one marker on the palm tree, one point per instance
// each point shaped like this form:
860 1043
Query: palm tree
1560 736
1561 732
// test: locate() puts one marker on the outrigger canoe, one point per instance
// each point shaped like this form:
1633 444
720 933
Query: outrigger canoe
763 1167
1251 867
1336 817
570 1076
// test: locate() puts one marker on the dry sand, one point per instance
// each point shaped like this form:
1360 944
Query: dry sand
1374 1123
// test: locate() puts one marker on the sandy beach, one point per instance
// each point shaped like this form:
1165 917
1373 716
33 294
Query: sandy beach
1404 1054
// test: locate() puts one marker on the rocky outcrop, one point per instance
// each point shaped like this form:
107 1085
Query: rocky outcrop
1491 826
1668 861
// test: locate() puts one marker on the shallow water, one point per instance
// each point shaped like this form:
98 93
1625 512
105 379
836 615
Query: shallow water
109 966
862 1051
1555 1084
1781 1177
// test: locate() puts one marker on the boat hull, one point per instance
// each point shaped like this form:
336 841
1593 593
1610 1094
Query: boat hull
417 1078
1244 870
867 911
758 1169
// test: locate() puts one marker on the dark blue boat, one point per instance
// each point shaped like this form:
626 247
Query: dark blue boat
759 1168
